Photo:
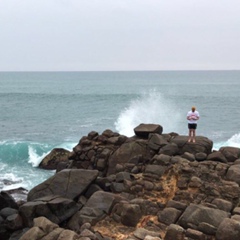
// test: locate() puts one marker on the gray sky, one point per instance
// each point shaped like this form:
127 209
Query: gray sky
86 35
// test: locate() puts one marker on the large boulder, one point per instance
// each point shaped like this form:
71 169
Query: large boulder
56 209
6 200
170 149
143 130
217 156
156 141
194 215
56 156
229 229
174 232
233 173
128 214
230 153
68 183
202 144
126 152
97 207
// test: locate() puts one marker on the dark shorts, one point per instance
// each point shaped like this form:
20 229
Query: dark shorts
192 126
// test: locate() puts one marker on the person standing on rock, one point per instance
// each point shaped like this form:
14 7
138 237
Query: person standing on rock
192 117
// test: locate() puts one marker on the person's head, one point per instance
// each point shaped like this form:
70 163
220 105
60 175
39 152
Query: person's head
193 109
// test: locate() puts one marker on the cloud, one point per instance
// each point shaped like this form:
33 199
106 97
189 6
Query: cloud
119 35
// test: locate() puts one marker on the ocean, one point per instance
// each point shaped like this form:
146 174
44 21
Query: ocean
44 110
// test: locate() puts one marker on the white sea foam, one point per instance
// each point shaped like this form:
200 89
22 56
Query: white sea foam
34 158
10 181
233 141
151 107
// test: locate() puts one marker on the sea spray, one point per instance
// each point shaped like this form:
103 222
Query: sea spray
150 107
233 141
34 158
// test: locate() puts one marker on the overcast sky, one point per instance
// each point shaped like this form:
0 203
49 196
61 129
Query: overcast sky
92 35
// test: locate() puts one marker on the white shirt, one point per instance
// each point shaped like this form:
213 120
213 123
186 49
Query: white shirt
194 116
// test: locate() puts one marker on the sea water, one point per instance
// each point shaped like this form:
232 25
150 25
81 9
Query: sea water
40 111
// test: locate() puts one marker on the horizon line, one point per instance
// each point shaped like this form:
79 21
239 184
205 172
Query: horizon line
169 70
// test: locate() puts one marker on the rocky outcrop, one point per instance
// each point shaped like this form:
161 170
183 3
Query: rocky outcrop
149 186
57 156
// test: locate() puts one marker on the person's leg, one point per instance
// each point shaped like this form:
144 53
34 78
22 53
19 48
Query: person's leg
193 135
190 135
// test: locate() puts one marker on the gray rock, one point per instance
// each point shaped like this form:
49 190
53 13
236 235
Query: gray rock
6 200
161 159
176 204
87 233
174 232
236 217
207 228
131 214
132 149
200 156
97 207
233 173
143 130
92 189
69 183
230 153
202 144
156 141
223 204
217 156
141 233
5 212
18 234
189 156
154 170
117 187
169 215
57 155
229 229
196 214
103 201
194 234
236 210
55 208
171 149
195 182
121 176
14 222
